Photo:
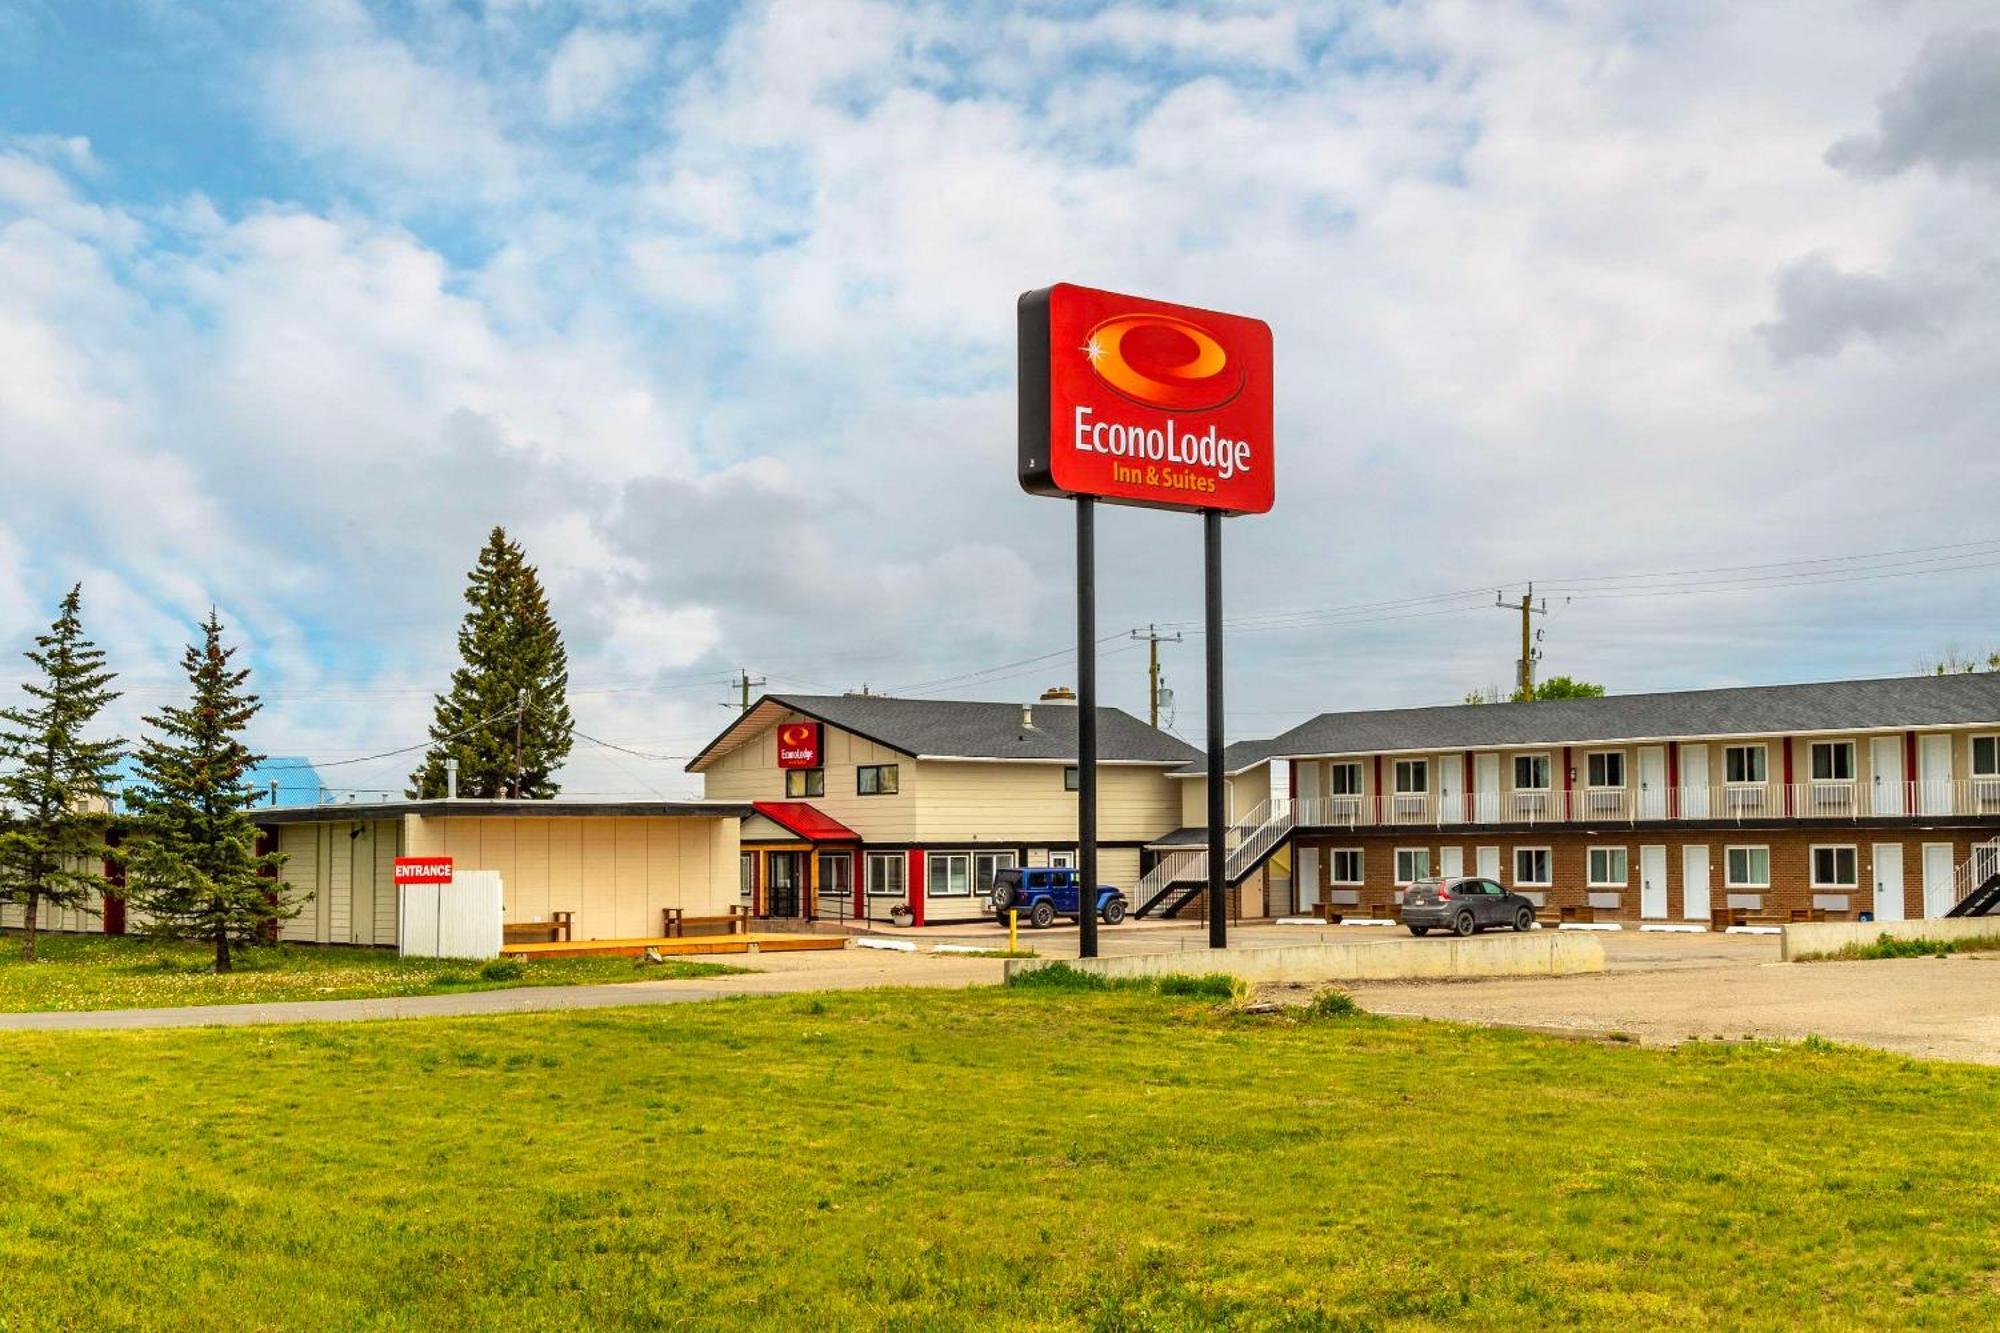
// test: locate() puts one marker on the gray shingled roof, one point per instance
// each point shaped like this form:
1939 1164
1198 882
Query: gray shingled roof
949 728
1761 710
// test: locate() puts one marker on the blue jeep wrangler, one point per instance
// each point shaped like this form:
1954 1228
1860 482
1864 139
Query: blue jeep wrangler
1041 894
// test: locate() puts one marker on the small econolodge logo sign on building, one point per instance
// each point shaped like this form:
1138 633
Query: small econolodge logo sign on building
1145 402
799 745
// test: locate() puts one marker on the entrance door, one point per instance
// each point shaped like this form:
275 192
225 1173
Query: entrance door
1694 783
1489 862
1307 881
1307 776
1694 883
1885 762
1451 862
1934 775
1653 787
1888 881
1938 878
1451 790
1486 799
1653 883
782 896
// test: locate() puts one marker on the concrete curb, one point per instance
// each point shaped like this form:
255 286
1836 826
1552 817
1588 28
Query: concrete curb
1541 954
1817 937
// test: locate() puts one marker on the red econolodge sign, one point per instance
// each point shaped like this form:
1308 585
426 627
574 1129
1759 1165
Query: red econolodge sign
798 745
423 870
1143 402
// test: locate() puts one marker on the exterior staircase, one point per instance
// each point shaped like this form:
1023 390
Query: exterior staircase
1181 876
1976 887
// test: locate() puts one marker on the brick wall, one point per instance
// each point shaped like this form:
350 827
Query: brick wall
1790 888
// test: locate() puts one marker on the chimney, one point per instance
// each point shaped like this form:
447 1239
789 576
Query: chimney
451 779
1027 717
1058 694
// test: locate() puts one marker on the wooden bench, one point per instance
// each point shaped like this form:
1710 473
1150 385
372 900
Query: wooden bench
674 921
553 931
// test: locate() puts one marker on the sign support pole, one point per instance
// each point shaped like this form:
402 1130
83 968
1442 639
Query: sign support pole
1218 898
1086 726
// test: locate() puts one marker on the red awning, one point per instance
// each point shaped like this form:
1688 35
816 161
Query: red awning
804 821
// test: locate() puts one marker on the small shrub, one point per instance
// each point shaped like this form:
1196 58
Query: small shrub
449 979
502 969
1058 976
1333 1004
1210 986
1817 1044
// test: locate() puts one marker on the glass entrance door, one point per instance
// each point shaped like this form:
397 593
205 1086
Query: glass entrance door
782 896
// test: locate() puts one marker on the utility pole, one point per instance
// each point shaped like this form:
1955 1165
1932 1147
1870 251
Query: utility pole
743 684
1524 676
1153 639
520 717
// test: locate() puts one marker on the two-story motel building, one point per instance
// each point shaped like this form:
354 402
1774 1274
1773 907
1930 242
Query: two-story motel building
1696 807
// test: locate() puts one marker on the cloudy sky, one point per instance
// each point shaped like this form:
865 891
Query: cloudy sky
1689 313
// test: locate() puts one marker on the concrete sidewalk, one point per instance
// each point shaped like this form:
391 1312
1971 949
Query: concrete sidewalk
778 974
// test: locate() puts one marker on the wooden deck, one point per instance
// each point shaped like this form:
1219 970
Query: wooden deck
681 947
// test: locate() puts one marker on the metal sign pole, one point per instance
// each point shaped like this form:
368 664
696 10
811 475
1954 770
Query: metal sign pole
1218 906
1086 726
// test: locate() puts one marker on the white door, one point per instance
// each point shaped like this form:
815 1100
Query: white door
1307 879
1653 883
1885 783
1488 859
1486 792
1888 881
1308 779
1934 775
1653 786
1694 784
1451 789
1451 862
1938 878
1694 883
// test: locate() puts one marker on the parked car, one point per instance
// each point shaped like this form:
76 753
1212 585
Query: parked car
1043 893
1464 906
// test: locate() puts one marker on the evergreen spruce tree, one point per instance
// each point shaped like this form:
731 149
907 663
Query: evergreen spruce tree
193 867
56 786
506 719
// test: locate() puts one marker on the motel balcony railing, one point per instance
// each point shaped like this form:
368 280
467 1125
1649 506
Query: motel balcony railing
1745 802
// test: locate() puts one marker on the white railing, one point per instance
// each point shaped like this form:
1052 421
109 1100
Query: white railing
1737 802
1979 867
1245 841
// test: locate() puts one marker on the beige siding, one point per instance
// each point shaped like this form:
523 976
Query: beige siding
751 773
1009 804
301 843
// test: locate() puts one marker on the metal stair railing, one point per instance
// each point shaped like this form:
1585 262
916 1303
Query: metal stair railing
1974 877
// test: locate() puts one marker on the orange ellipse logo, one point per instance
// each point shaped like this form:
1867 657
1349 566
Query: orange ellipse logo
796 735
1163 361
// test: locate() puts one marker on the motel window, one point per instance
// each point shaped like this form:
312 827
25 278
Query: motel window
836 877
1833 761
801 782
1346 865
1749 868
1062 860
1986 756
1071 780
885 874
1609 867
1607 768
1531 865
1834 868
986 865
875 780
1412 864
1413 777
950 875
1343 779
746 875
1744 763
1531 772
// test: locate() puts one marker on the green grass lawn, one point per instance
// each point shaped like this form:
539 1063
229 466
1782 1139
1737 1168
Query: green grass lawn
1028 1158
125 972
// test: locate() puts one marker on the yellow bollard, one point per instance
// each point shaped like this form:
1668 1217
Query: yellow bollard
1013 930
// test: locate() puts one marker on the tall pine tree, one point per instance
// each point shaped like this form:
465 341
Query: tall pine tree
194 867
506 719
57 784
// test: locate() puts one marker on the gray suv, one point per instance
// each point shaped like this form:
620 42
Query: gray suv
1464 906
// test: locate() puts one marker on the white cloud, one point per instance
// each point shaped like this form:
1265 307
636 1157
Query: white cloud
590 69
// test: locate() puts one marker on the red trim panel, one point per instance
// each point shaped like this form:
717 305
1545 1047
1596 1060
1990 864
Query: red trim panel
916 885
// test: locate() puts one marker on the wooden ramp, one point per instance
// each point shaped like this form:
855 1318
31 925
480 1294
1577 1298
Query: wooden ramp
684 947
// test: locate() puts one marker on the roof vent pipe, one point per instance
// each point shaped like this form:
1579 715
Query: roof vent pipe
451 779
1027 717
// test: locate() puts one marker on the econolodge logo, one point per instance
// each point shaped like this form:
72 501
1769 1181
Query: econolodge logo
1160 361
798 745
